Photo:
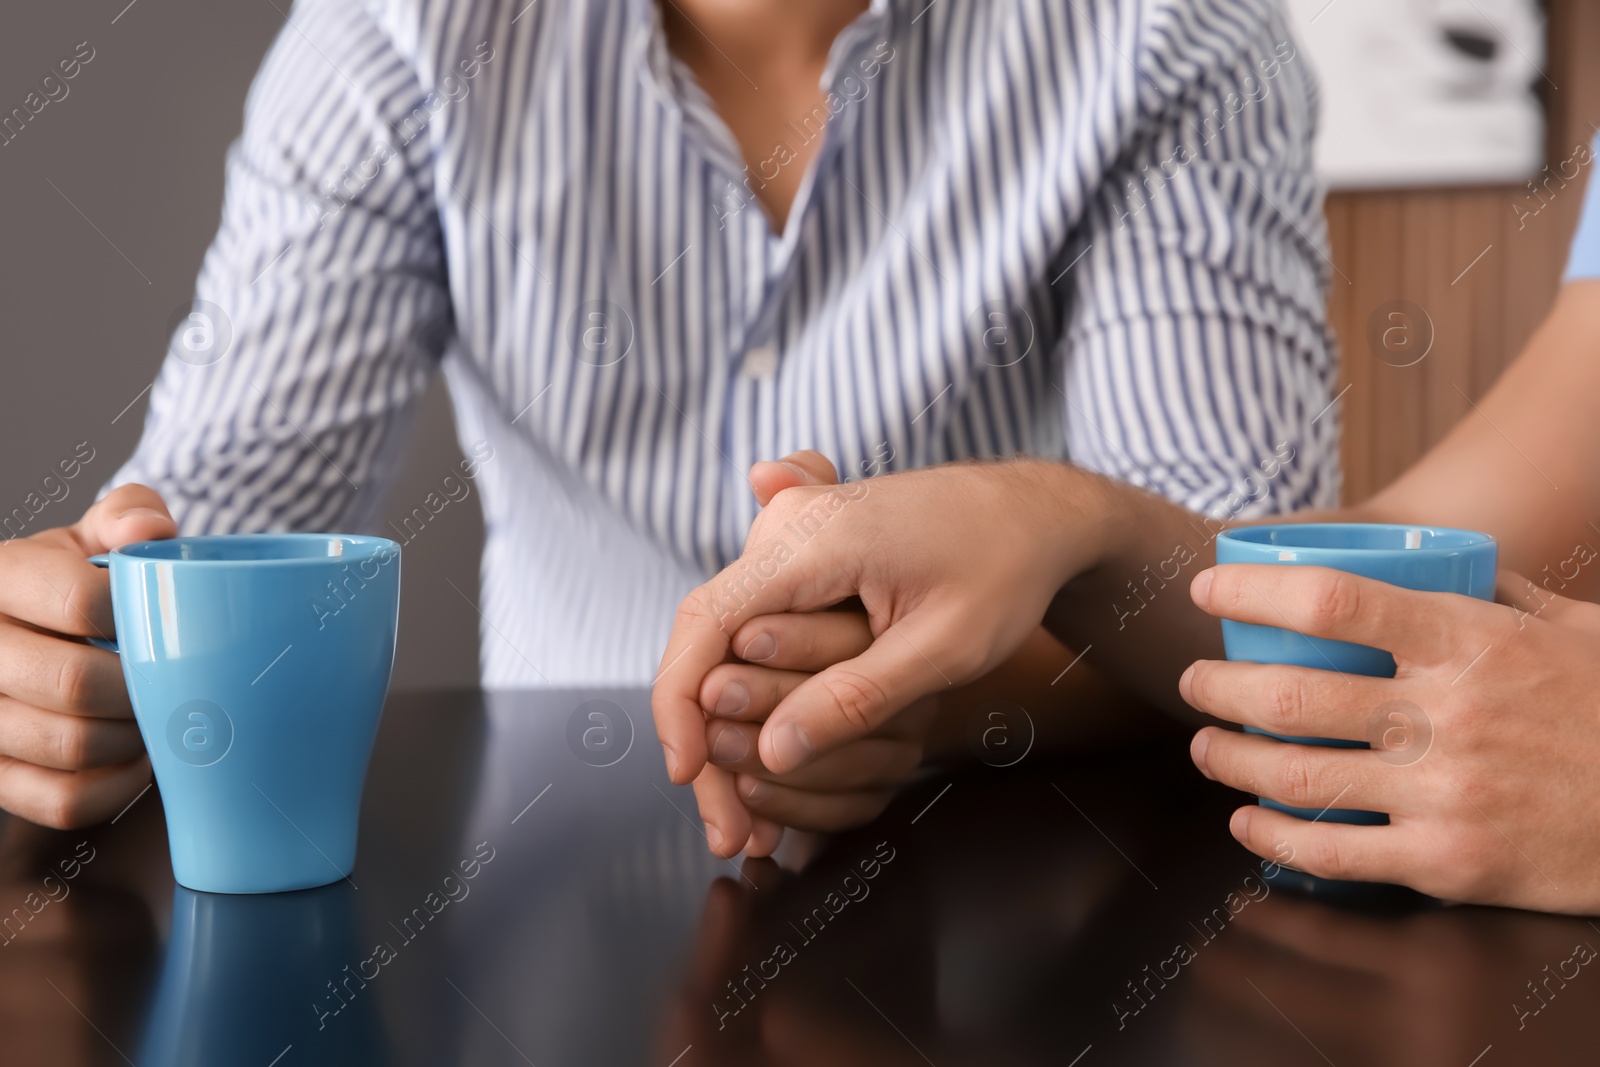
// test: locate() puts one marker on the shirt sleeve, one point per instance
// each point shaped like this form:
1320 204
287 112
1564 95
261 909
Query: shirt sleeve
1198 359
321 307
1584 259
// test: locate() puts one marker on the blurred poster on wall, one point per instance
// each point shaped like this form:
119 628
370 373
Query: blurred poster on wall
1426 92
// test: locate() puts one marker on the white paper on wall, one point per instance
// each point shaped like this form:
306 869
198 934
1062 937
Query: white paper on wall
1425 92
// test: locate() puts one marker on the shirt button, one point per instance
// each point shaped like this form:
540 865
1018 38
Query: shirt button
760 363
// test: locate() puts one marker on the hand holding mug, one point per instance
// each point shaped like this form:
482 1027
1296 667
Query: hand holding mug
70 754
1502 806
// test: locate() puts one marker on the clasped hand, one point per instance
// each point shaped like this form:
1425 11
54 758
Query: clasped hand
783 706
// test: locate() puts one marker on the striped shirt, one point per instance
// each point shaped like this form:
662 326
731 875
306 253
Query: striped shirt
1084 229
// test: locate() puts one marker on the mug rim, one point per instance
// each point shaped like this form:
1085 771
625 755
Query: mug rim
357 547
1470 540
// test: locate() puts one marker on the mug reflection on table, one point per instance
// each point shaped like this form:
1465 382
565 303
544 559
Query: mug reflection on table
247 977
1430 559
257 665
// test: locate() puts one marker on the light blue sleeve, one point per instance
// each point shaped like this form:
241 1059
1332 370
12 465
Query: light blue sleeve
1584 259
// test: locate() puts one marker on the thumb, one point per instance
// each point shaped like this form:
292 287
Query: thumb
846 702
127 514
1537 601
771 477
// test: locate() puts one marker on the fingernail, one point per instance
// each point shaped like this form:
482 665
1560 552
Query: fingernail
1197 750
1200 588
761 647
731 746
799 472
145 513
672 760
733 699
1239 825
791 746
713 837
756 791
1185 683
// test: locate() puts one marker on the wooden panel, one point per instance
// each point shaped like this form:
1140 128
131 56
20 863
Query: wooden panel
1424 246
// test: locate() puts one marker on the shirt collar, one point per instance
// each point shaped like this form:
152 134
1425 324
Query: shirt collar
871 26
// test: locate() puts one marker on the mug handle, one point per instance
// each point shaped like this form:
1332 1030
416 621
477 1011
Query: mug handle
102 559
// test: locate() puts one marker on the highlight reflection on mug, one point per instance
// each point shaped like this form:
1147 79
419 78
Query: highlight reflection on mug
199 733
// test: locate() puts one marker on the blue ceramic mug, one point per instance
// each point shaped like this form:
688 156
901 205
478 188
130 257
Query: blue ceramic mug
258 665
1416 557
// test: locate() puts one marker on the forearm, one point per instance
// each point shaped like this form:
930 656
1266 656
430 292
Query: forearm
1129 609
1520 464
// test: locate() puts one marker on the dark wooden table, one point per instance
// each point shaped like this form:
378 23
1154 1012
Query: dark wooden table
1018 915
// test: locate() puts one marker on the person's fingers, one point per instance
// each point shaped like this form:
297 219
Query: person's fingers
54 587
765 836
1426 628
57 675
65 742
803 641
696 644
769 478
757 583
726 819
847 701
739 691
805 810
870 763
1292 701
127 514
1327 850
67 800
1301 776
732 744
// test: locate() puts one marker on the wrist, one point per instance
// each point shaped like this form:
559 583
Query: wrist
1082 520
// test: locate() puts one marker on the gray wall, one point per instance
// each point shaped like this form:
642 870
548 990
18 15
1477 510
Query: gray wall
87 286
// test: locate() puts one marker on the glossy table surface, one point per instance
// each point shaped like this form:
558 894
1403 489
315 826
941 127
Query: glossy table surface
530 890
